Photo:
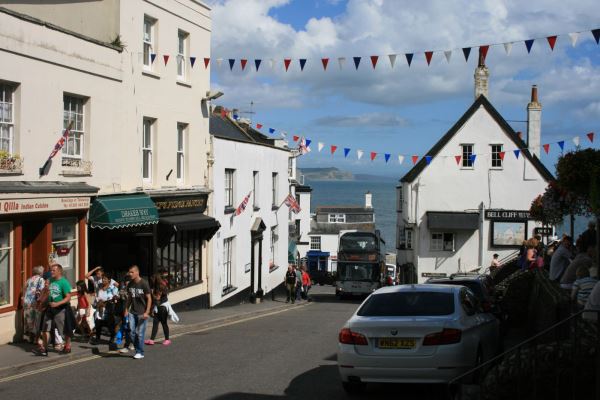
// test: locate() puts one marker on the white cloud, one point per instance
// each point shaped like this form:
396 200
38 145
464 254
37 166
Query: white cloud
371 119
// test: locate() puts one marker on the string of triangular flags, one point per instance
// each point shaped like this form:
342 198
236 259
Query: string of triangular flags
551 40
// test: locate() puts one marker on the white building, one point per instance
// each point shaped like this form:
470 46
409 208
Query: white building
457 211
250 251
136 153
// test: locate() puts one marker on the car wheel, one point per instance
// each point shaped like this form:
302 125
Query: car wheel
352 388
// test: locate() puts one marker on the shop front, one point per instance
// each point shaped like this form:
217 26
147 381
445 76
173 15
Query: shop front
40 223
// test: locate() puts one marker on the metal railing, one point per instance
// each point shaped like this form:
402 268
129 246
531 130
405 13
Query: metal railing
560 362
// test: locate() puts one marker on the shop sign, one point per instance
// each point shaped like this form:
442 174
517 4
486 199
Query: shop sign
544 231
507 215
173 205
20 206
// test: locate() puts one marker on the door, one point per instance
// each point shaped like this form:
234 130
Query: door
36 246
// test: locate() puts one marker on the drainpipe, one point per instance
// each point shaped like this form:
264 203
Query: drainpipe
210 256
481 235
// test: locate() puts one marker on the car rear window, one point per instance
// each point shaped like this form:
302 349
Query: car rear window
473 285
407 304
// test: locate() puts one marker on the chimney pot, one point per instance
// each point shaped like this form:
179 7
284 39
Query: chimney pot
368 200
534 94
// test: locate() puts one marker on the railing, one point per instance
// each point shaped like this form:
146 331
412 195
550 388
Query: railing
561 362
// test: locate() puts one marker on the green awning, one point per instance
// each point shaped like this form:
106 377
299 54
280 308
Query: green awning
114 212
292 250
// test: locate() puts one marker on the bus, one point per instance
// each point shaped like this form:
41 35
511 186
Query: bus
360 264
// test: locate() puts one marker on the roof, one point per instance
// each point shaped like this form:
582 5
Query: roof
481 101
345 209
225 128
330 228
46 187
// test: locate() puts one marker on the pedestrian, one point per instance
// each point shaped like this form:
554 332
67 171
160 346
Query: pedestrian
83 310
561 259
583 286
59 315
583 258
290 284
137 309
306 283
106 299
495 264
95 277
31 313
531 254
298 283
160 310
589 235
122 321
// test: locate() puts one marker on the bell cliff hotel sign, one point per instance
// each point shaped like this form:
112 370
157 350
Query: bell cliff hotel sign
182 204
507 215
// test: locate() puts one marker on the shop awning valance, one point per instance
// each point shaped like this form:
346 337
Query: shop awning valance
112 212
452 221
208 226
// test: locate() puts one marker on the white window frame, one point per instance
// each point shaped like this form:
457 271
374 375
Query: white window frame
182 49
148 39
255 189
7 117
147 149
408 235
401 238
466 159
315 243
74 110
229 192
439 241
10 278
181 151
73 242
495 159
275 183
337 218
228 255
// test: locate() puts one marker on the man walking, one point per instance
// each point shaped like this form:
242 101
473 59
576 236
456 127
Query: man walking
137 309
561 259
290 284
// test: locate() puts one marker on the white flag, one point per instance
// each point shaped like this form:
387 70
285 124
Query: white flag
400 159
392 59
271 63
574 37
359 154
576 140
219 62
448 55
321 145
341 61
507 48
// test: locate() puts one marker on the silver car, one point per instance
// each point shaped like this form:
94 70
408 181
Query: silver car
415 333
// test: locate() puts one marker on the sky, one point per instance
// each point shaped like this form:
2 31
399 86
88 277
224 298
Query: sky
403 110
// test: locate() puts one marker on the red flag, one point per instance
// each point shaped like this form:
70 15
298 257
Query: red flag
206 62
243 61
428 55
374 61
551 41
287 62
325 61
484 51
259 126
293 205
415 159
223 113
591 136
243 205
373 155
546 148
166 58
457 158
333 149
502 153
295 138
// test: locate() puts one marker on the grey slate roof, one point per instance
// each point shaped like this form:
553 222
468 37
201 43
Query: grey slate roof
225 128
46 187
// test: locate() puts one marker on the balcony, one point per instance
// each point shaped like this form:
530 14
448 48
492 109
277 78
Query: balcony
76 167
11 164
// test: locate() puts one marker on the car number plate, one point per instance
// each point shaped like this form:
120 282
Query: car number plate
395 343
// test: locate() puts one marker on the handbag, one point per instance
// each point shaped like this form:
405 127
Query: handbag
43 299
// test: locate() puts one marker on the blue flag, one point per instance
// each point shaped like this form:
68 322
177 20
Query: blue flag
271 131
192 61
257 63
346 152
472 158
302 63
356 61
428 159
409 57
466 52
528 44
517 152
235 116
152 57
387 157
561 144
231 63
308 142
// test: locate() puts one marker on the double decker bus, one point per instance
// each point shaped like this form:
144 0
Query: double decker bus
361 262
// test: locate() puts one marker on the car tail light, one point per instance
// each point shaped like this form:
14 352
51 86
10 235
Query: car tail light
447 336
349 337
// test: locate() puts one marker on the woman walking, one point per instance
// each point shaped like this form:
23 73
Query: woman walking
31 311
105 310
160 299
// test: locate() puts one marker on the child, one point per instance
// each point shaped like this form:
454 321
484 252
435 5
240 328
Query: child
582 287
83 310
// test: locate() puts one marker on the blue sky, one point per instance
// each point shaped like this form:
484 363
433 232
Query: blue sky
403 110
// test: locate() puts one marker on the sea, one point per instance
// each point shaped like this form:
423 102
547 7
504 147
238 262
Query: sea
335 193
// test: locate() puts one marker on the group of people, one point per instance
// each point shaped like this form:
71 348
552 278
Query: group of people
297 283
120 310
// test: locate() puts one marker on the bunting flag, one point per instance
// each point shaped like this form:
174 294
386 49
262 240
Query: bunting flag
320 146
341 61
192 61
428 159
286 63
166 58
231 63
292 204
374 60
302 63
472 158
271 131
546 148
428 56
576 141
596 33
387 156
591 137
561 144
333 149
392 58
551 42
517 152
243 62
258 126
295 138
574 36
240 209
324 61
223 113
373 155
236 117
219 62
346 152
400 159
206 62
415 159
484 50
508 48
448 55
271 63
409 57
359 154
152 58
466 53
502 154
457 158
529 44
356 61
303 146
308 141
257 63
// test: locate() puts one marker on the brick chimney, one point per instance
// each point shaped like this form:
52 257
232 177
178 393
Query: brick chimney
368 200
534 123
482 75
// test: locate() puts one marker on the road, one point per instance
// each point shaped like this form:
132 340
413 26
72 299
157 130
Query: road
288 355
